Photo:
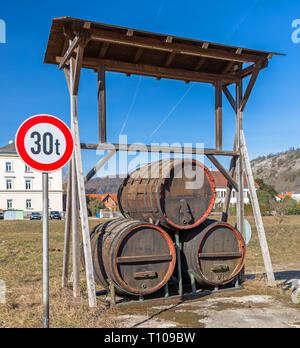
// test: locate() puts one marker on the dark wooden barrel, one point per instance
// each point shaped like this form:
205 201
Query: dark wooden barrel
139 258
163 192
214 252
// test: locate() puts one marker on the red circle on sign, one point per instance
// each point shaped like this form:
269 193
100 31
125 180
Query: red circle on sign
20 143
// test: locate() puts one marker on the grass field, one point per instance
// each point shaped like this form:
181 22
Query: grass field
21 269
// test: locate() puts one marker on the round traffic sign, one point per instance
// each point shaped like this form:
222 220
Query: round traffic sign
44 143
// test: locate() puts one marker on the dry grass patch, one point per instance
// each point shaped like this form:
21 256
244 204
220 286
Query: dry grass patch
21 269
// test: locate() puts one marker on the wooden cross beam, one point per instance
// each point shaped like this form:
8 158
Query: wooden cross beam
219 166
77 69
229 97
65 59
249 89
155 71
99 165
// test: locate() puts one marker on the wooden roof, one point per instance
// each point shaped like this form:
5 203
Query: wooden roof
9 149
132 51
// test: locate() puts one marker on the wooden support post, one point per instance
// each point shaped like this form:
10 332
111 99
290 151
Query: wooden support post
112 291
228 191
232 169
74 202
81 189
218 115
75 233
257 214
102 104
67 238
179 266
239 165
83 214
166 289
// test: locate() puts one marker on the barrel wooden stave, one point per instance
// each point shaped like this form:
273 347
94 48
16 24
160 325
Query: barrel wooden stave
163 198
139 258
215 253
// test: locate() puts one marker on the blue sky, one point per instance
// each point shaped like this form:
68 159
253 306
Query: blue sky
272 121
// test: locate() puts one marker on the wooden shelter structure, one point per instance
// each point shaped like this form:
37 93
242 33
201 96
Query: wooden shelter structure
75 44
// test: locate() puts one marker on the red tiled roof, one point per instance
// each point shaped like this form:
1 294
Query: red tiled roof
102 197
220 181
98 196
114 197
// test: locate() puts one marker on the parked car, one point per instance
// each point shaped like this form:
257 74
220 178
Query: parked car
1 215
55 215
35 216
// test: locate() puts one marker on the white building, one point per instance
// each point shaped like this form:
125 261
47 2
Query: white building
221 185
21 187
296 196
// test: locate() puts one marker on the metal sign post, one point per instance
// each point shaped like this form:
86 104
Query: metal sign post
46 144
46 250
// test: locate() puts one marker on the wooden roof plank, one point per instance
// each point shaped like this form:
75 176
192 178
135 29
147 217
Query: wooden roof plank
155 44
151 51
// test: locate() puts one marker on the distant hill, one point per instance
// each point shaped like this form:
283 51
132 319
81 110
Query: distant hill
109 184
281 170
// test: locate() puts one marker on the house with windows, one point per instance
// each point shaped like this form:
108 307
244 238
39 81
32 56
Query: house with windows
221 185
21 187
109 200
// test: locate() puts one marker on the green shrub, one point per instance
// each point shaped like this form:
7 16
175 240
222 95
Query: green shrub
94 205
263 197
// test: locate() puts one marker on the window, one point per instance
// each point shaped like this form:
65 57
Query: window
9 185
28 184
28 204
8 166
27 169
9 204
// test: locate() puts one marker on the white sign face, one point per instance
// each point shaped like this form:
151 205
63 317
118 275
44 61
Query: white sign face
45 143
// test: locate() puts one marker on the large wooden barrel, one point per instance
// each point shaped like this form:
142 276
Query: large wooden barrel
163 193
139 258
214 252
